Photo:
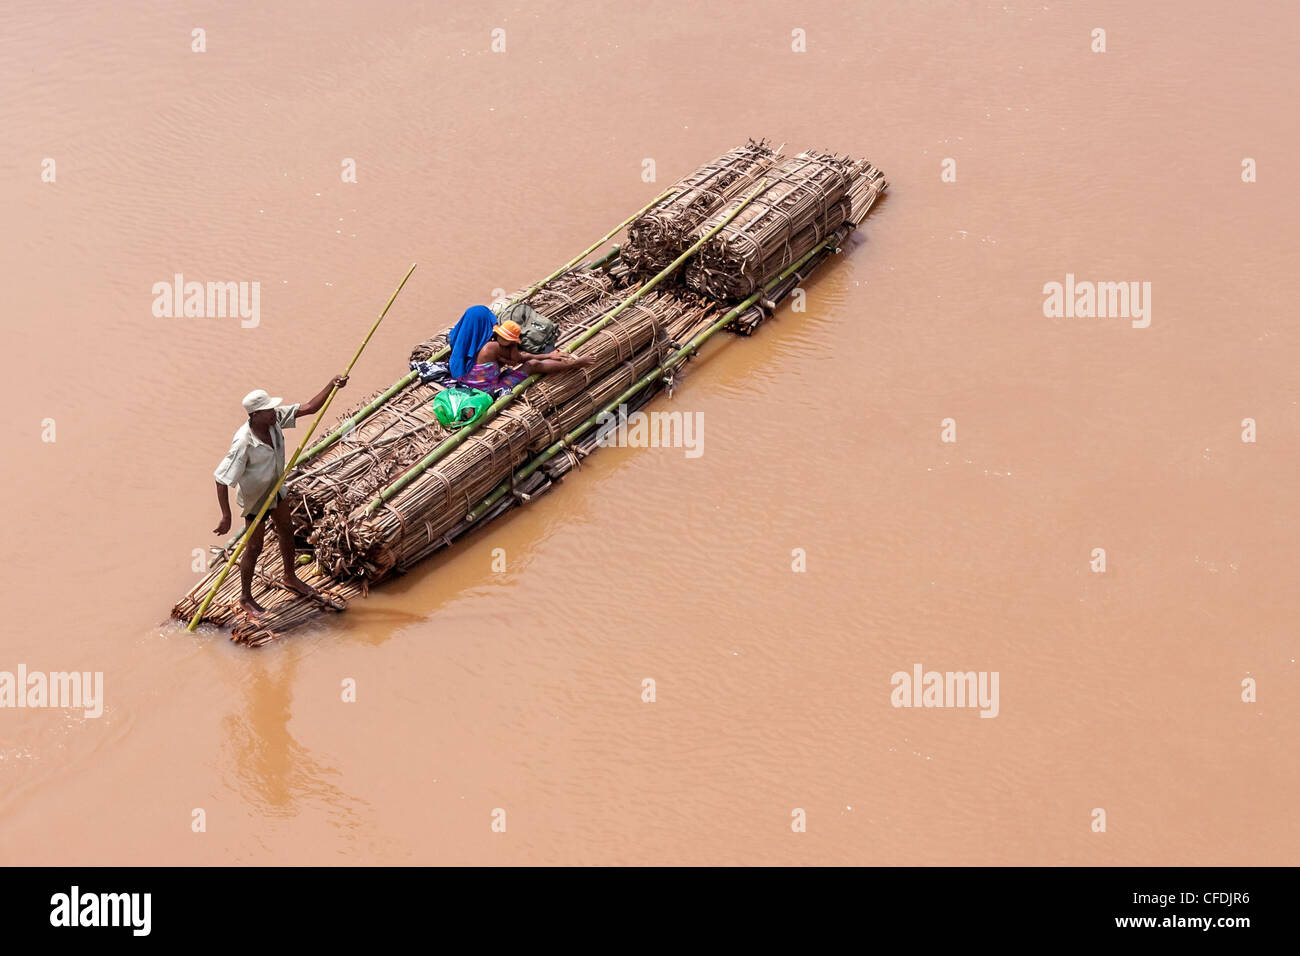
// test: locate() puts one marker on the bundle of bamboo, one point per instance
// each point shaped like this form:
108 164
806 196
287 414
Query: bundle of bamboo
657 237
390 485
348 544
401 432
352 539
868 185
765 304
406 428
369 456
808 199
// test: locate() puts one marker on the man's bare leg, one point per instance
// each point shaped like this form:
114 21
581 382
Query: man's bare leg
248 561
284 535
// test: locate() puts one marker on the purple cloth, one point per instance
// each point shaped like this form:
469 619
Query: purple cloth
488 377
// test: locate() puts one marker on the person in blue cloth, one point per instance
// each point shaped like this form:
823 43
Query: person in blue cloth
481 349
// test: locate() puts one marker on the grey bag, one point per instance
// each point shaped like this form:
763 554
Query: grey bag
537 333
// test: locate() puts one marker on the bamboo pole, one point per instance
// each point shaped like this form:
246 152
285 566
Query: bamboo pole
274 493
604 260
443 449
677 358
410 377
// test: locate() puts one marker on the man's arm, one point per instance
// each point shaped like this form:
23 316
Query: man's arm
228 472
557 355
223 499
313 404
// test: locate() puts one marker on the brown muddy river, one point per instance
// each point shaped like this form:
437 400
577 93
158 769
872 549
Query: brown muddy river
476 690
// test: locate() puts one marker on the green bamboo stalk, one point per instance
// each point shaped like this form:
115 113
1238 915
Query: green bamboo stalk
449 444
677 358
605 259
410 377
274 493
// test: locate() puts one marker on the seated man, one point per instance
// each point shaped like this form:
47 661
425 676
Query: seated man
489 373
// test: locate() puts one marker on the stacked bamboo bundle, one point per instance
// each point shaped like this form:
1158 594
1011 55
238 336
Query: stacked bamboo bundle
350 541
807 198
287 613
867 186
395 486
656 238
368 457
749 321
350 545
405 428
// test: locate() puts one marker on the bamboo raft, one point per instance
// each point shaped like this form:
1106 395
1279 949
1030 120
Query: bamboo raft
390 486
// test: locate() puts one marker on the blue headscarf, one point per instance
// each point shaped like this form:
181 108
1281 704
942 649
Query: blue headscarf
469 335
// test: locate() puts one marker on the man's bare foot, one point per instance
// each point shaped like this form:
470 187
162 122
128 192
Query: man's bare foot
298 586
251 607
584 360
324 598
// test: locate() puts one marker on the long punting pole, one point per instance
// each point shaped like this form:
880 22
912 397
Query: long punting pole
675 359
410 377
445 448
274 493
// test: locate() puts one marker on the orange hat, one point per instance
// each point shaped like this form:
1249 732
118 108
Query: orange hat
508 330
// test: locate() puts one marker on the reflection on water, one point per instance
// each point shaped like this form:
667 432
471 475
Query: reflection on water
272 770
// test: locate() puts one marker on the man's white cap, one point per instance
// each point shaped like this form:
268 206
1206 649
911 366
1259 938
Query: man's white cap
257 400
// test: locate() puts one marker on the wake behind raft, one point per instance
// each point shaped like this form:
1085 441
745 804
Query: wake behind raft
439 453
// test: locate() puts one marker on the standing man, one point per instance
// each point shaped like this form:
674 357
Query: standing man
256 462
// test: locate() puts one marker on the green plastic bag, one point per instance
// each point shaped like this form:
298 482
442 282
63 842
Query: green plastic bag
458 407
537 333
